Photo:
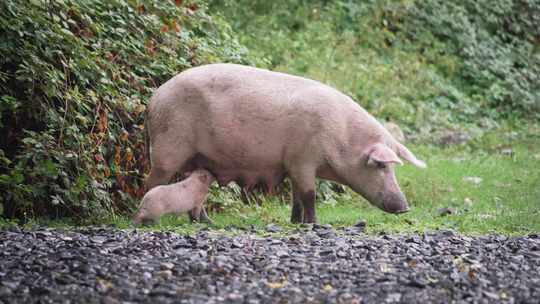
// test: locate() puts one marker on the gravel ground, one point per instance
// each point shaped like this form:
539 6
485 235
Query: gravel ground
319 264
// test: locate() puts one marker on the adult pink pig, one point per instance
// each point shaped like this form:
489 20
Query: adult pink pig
255 126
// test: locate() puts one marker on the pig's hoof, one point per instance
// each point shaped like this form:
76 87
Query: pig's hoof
297 217
194 218
295 220
309 219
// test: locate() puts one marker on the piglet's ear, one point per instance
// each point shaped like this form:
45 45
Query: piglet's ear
381 153
408 156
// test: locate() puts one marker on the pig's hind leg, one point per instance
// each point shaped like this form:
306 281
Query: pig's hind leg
195 214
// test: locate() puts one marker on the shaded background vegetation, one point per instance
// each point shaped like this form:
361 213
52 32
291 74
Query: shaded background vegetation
421 63
75 77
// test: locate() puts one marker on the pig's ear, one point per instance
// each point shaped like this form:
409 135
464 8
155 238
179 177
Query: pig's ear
381 154
407 155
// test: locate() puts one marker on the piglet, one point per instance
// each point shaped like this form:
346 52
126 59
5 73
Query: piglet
185 196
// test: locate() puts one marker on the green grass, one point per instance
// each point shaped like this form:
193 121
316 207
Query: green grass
506 201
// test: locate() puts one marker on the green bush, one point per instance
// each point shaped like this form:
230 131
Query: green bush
75 77
498 41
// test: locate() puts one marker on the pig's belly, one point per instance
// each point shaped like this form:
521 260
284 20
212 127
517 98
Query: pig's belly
268 178
249 153
246 170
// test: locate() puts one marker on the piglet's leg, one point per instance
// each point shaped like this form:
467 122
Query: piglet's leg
198 214
195 215
204 216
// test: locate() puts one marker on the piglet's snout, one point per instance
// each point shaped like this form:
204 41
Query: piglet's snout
395 203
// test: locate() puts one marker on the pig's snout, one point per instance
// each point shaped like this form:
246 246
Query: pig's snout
395 203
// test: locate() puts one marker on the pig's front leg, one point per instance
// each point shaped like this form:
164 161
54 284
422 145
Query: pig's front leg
308 200
297 213
303 208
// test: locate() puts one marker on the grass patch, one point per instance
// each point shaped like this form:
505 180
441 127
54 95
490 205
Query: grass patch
506 200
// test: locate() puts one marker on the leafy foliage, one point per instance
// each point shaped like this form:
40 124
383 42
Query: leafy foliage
498 41
427 65
75 77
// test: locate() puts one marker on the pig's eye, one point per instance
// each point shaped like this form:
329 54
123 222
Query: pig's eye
380 165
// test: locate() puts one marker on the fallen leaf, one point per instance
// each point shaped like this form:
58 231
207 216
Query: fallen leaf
124 136
104 285
128 156
504 185
445 211
275 285
141 9
175 27
475 180
103 121
150 47
484 216
383 267
117 156
507 152
327 287
472 274
106 171
432 280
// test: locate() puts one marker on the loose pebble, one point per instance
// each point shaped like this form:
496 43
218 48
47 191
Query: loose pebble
314 265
